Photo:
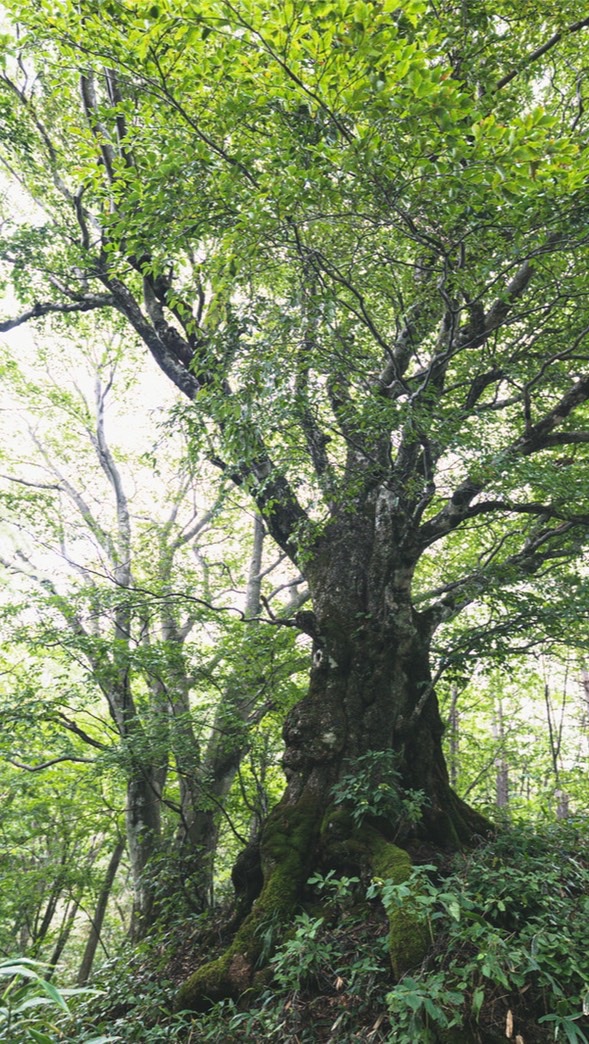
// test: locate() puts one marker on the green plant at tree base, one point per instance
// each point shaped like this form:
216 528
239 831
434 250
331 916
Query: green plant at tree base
509 926
372 788
507 933
303 957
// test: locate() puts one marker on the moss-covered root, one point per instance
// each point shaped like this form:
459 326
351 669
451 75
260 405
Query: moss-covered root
286 847
408 935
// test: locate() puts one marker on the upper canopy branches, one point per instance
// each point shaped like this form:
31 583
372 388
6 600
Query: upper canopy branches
350 232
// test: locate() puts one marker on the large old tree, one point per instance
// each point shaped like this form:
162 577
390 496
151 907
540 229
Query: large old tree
353 233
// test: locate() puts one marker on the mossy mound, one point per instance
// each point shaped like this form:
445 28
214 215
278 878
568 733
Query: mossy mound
285 851
408 936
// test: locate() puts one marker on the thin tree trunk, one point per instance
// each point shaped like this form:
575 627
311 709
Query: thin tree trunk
51 907
585 691
501 764
454 719
99 914
205 784
64 934
555 742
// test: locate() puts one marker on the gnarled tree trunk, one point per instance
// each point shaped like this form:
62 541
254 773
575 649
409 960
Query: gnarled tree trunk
370 693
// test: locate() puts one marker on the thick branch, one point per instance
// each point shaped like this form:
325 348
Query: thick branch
537 437
168 335
457 595
390 380
543 49
499 311
100 132
167 360
532 508
566 438
285 519
40 308
254 580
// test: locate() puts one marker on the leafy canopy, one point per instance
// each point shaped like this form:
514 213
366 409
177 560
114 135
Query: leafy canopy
351 232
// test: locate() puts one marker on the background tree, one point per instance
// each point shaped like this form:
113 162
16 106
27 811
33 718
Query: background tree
57 825
352 235
103 573
523 752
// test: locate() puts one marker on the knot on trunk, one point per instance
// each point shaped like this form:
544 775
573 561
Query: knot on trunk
306 621
312 735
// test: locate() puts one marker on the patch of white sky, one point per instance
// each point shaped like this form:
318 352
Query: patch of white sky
138 424
65 359
28 342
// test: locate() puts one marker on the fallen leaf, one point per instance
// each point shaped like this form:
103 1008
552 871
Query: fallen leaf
509 1024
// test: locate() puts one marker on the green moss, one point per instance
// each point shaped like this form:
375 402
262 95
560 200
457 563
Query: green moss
286 850
408 935
341 849
337 824
205 986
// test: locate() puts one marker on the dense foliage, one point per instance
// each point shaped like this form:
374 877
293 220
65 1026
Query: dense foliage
351 235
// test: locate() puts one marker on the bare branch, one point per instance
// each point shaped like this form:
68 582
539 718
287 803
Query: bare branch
73 726
122 563
27 103
536 438
32 485
48 764
455 596
65 486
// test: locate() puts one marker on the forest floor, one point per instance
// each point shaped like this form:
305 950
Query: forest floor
508 959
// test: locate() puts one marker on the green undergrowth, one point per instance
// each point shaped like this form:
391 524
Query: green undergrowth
31 1005
507 959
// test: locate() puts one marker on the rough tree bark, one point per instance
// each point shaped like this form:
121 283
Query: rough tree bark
370 691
